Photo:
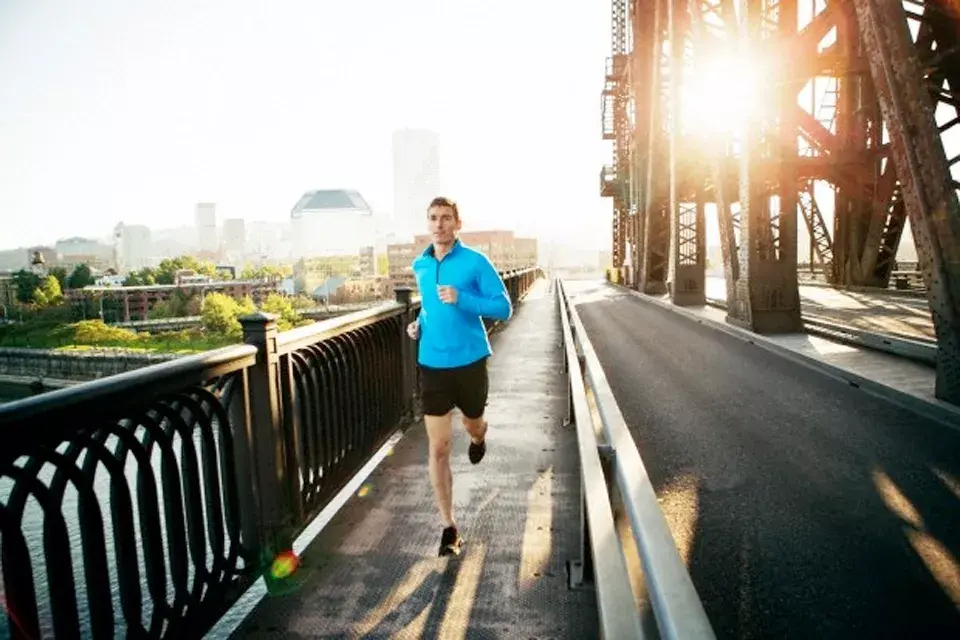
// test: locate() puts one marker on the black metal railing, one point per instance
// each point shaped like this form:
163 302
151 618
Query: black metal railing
122 509
144 504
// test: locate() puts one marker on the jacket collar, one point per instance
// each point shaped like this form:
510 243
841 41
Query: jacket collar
429 251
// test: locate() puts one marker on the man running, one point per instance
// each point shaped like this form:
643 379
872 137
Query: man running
459 287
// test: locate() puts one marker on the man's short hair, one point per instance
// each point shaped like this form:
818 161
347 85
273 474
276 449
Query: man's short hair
441 201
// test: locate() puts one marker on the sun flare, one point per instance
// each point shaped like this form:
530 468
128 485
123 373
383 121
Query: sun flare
717 92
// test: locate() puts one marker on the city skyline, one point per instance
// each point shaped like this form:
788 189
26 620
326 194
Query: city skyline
139 111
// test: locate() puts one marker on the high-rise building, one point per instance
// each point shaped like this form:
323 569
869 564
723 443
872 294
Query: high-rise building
234 238
416 178
132 245
206 221
332 222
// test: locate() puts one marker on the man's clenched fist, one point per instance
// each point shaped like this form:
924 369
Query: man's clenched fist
413 329
447 294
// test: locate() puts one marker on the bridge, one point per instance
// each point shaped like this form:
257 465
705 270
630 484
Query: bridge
155 503
670 455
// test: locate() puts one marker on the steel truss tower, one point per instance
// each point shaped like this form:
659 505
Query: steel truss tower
877 78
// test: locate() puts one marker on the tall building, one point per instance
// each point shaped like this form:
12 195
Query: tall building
332 222
206 221
416 178
234 238
132 244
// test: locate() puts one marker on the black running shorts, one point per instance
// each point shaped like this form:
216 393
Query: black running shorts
463 387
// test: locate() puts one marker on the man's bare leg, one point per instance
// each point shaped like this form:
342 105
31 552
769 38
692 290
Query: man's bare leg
440 433
476 427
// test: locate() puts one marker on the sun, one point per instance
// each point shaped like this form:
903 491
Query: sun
717 92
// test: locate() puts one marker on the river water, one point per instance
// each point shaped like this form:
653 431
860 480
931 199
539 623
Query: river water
11 392
32 529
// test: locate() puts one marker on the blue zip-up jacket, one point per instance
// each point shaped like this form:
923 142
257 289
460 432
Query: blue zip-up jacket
453 335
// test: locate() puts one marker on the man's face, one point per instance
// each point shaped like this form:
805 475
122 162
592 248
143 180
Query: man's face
443 224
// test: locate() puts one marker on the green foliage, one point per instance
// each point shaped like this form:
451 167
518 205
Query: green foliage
95 332
80 278
144 277
48 293
282 307
60 273
51 315
48 323
221 312
168 268
88 334
179 305
302 302
265 271
167 271
27 282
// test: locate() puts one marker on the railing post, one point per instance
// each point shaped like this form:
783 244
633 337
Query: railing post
408 353
583 575
266 431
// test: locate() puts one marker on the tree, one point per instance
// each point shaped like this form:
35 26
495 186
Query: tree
60 273
219 315
283 307
383 264
162 310
264 272
80 278
145 276
179 305
48 293
167 271
27 283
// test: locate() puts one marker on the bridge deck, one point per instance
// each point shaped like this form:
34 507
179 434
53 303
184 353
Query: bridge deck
883 311
373 571
804 507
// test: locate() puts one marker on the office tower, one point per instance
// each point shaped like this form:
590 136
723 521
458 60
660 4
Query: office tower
133 246
234 238
206 221
331 222
416 178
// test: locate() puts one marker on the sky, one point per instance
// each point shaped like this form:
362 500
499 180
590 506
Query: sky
135 110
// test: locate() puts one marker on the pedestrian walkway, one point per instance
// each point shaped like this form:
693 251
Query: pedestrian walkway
373 572
878 311
908 383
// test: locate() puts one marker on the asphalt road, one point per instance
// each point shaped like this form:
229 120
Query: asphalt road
806 508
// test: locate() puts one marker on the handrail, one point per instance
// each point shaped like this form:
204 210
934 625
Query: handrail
106 391
324 329
619 617
677 607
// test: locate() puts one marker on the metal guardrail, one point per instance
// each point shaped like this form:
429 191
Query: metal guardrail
186 322
900 345
145 504
602 559
676 606
918 350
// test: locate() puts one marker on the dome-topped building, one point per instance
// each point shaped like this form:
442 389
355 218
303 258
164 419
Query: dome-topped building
332 222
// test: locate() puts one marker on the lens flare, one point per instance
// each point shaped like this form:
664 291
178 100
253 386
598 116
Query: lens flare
284 565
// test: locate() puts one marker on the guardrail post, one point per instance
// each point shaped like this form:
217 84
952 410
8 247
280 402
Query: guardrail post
581 572
408 352
267 437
